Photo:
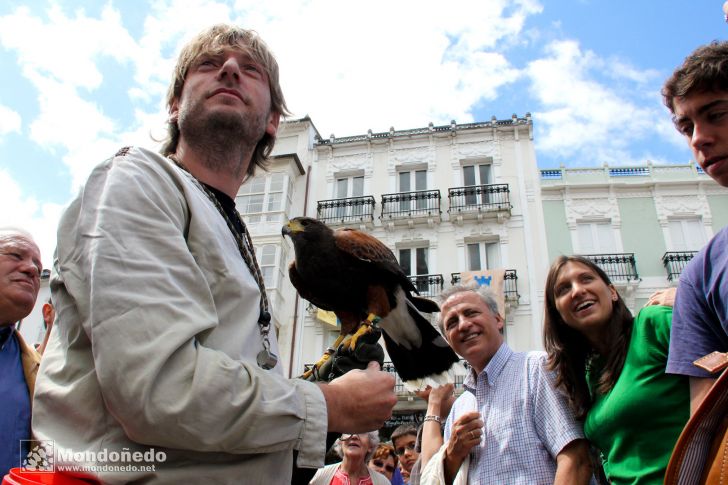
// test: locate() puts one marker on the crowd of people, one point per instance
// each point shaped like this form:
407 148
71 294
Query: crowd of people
162 341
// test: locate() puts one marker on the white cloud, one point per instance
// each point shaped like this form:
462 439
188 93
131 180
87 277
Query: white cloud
60 103
587 121
66 48
389 63
81 159
60 56
619 70
40 219
398 63
69 122
9 121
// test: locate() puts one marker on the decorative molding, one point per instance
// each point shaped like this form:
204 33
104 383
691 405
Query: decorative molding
349 164
403 157
680 204
585 209
481 232
409 239
477 150
675 206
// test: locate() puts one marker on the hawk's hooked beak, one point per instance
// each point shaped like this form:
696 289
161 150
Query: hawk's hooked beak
291 228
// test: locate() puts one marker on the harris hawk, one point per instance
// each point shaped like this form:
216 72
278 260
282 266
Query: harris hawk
356 276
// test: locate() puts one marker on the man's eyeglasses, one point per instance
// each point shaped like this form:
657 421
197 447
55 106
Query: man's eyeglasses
402 449
380 464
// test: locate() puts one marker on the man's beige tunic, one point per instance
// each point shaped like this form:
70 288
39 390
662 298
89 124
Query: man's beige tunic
156 338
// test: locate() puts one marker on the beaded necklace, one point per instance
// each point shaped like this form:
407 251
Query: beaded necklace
266 358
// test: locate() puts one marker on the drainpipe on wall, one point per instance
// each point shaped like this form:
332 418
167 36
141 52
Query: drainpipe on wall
295 307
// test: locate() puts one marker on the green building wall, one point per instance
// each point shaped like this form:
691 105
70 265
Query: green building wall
642 234
719 210
558 237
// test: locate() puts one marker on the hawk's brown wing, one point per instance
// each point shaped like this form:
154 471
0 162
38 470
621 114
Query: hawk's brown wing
363 246
369 249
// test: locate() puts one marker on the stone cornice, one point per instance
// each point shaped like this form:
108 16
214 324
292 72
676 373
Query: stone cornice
453 128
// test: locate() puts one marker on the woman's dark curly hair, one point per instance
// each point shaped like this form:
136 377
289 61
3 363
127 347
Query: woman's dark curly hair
568 350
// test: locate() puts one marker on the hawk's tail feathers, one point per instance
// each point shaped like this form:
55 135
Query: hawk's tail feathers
436 380
416 348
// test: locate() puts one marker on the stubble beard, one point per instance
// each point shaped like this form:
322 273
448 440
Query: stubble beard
227 139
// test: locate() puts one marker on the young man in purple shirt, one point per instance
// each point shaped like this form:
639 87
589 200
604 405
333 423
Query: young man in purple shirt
697 96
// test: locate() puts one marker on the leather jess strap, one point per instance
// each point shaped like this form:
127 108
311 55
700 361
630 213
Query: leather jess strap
713 362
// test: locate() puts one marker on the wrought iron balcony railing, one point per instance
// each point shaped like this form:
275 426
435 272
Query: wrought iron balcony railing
399 387
411 204
675 262
619 267
352 209
494 197
429 285
510 284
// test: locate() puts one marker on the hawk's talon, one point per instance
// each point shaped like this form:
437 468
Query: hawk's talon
327 355
365 328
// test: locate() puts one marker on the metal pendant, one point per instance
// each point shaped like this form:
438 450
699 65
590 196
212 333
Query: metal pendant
267 359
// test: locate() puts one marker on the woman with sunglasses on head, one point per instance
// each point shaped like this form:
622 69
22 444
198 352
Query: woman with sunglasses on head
355 449
384 460
611 365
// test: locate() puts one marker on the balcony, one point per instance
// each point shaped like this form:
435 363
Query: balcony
400 391
619 267
428 285
399 388
406 207
675 262
345 211
479 201
510 284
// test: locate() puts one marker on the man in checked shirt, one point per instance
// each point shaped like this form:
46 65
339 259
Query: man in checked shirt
511 423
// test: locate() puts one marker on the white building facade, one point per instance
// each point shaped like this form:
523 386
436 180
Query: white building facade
445 199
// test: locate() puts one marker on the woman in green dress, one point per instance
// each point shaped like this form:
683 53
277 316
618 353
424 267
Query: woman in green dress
611 366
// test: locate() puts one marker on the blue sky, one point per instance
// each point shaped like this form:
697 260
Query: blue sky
83 78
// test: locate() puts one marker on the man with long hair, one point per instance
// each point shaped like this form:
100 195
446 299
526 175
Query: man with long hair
163 345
